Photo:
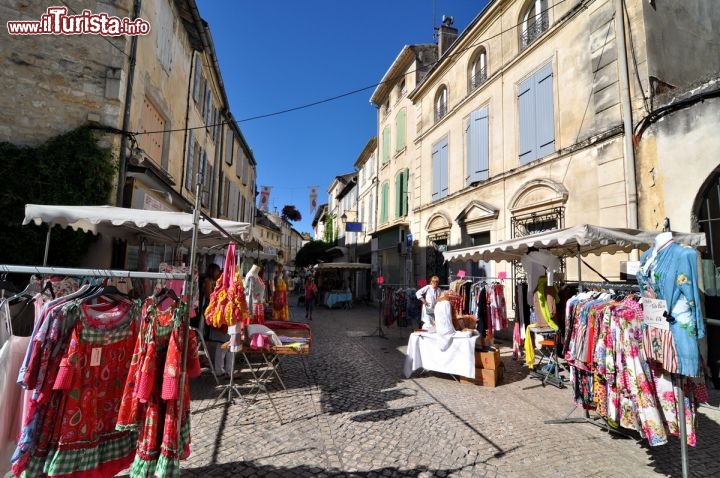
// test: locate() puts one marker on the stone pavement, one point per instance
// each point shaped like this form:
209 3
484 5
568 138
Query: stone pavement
348 411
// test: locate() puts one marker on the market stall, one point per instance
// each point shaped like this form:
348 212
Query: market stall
587 239
175 229
335 283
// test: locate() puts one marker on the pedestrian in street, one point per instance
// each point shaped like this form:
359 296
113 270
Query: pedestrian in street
428 296
311 293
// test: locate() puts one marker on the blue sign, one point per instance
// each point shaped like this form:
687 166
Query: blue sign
353 227
409 240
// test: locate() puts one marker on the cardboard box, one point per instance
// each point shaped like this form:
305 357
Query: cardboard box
491 377
473 381
489 359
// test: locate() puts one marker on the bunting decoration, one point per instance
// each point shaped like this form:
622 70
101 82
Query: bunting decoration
264 198
313 199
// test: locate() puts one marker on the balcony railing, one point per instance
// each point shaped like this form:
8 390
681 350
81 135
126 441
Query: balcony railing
534 31
478 78
440 112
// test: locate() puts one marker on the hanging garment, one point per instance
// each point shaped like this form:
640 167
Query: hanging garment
12 352
671 274
150 404
77 370
281 310
498 311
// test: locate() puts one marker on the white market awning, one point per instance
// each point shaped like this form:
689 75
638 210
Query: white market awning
325 266
583 238
163 226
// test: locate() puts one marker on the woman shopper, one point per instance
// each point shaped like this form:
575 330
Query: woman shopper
311 292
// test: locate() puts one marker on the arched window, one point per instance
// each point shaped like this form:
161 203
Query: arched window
477 72
441 103
534 22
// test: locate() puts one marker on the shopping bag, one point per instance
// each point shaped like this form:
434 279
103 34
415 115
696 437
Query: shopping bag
227 305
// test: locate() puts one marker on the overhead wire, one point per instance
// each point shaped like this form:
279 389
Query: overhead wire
358 90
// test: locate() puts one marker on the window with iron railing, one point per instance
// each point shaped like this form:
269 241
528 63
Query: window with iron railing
441 104
478 78
535 26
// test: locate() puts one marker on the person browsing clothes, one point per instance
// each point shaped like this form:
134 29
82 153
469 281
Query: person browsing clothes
428 296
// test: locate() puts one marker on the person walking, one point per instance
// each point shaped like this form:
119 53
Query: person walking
311 293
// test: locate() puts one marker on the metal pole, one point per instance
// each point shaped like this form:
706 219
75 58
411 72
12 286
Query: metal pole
626 103
47 245
683 430
187 296
579 261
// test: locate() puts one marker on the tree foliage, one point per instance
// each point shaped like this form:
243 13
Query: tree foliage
290 213
70 169
330 233
311 253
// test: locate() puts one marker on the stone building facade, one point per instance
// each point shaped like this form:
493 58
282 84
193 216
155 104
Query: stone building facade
520 127
158 100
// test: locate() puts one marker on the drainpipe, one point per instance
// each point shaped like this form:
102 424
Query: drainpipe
120 193
626 104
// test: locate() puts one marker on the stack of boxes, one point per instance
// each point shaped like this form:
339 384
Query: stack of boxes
489 369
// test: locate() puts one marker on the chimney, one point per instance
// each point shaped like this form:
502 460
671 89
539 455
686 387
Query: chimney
447 34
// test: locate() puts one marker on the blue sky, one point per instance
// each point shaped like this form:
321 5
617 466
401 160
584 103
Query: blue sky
280 54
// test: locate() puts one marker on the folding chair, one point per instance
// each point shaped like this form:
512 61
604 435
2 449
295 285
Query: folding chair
203 352
548 367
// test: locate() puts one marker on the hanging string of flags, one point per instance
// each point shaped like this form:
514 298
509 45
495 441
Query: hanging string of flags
313 199
264 198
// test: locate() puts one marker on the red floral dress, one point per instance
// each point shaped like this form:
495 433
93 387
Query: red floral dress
75 407
151 397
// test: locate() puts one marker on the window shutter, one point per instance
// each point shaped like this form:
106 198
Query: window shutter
443 169
400 127
398 195
526 107
229 143
386 145
545 118
384 203
189 162
478 146
436 173
196 80
209 185
404 210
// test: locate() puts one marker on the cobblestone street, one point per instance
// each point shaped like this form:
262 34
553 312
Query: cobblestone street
348 411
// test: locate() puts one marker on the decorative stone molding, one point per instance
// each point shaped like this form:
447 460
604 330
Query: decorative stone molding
538 193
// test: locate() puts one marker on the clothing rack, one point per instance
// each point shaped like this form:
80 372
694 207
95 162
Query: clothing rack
79 272
617 286
679 388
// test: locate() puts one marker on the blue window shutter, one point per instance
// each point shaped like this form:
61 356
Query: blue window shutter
444 169
478 146
436 173
545 117
526 128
